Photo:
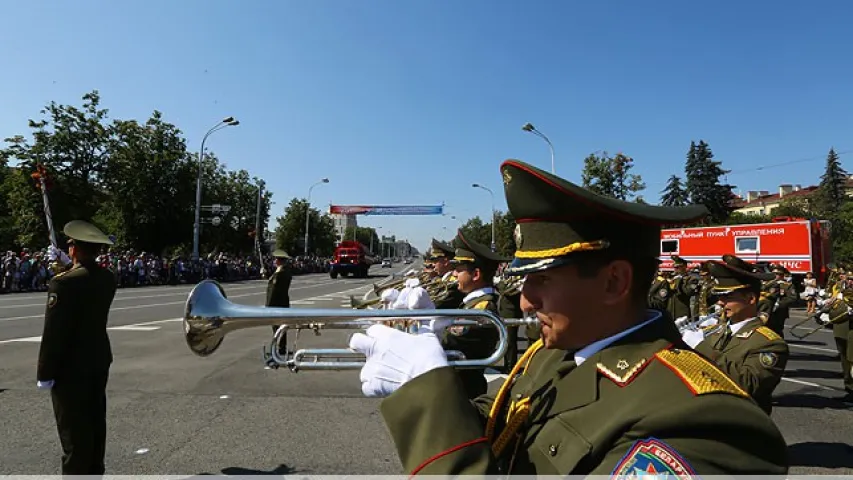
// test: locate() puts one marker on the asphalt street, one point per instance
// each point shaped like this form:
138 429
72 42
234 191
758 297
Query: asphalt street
172 412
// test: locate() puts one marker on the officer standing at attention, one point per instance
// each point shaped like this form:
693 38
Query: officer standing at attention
475 266
750 353
75 354
278 290
611 389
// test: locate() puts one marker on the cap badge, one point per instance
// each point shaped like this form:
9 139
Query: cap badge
506 176
516 235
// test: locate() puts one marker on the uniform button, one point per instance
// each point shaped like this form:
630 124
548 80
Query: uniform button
552 450
518 396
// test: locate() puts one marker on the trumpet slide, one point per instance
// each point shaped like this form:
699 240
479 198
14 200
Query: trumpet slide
209 316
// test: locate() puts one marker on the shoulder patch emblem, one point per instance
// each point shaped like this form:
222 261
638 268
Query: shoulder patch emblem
700 375
482 305
52 299
768 359
663 293
654 458
770 334
629 372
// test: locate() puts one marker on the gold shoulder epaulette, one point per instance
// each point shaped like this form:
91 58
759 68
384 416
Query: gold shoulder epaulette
767 332
482 305
701 376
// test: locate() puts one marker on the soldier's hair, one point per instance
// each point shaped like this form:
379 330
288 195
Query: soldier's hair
87 249
487 270
644 271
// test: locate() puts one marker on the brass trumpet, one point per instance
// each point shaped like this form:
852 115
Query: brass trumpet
209 316
838 311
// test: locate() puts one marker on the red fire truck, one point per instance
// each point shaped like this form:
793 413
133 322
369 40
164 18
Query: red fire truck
800 245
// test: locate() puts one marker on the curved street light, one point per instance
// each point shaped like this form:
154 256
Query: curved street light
528 127
225 122
477 185
308 213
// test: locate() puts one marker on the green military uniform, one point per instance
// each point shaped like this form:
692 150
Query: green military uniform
278 290
475 342
75 353
659 293
785 295
682 287
842 330
509 306
751 354
452 297
638 405
704 299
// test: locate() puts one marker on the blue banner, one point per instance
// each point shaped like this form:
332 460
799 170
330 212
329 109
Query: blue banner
387 210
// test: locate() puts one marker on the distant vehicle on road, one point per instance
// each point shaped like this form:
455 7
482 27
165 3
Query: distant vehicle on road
351 258
386 263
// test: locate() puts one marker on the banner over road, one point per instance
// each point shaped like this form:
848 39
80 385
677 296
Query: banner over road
387 210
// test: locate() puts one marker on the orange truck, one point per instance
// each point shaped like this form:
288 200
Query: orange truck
800 245
351 258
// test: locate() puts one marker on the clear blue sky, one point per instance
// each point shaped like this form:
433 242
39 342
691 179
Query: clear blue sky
404 102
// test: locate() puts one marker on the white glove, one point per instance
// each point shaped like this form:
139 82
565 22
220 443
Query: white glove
412 282
394 358
693 337
45 385
389 295
418 299
401 302
58 255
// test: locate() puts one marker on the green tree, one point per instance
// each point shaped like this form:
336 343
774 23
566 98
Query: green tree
290 232
674 195
365 235
611 177
832 190
703 182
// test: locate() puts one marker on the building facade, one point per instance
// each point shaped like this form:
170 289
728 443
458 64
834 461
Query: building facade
343 222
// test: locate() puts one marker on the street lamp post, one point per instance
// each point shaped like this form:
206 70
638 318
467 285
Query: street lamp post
226 122
528 127
477 185
308 212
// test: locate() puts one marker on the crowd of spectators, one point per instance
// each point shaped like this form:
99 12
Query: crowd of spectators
30 271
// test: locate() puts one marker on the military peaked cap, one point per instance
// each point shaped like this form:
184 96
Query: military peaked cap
734 273
557 220
279 253
477 254
678 261
85 232
441 249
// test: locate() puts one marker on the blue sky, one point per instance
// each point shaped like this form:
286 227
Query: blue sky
409 102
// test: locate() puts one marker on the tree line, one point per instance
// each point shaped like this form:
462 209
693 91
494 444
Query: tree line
136 180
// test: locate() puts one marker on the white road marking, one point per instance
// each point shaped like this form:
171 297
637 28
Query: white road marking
810 384
135 328
147 326
809 347
24 339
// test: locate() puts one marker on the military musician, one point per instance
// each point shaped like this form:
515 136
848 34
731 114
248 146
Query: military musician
75 353
749 352
682 288
610 388
441 254
784 293
474 267
278 290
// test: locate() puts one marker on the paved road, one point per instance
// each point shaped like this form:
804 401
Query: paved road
171 412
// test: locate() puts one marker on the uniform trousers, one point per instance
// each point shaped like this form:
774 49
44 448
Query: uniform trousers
80 409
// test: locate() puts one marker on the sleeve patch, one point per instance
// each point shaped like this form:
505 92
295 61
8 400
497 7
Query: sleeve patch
52 299
482 305
653 457
768 359
767 332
